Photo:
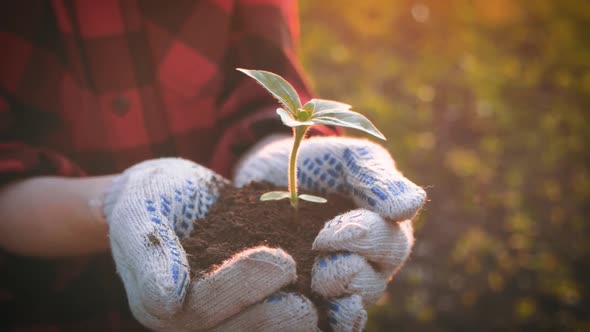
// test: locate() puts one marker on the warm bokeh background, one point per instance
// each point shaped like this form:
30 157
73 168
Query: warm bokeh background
487 104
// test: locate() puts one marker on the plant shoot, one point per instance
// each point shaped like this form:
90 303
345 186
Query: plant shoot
301 118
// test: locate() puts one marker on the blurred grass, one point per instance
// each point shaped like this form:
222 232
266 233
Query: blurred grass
487 105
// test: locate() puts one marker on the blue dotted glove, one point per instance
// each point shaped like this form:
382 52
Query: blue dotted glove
369 244
149 208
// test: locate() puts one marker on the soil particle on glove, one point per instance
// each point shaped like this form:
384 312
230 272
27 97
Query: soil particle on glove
153 239
239 220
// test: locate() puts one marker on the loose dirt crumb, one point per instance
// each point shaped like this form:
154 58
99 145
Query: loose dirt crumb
153 239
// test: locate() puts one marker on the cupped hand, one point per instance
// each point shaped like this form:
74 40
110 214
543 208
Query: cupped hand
361 250
149 208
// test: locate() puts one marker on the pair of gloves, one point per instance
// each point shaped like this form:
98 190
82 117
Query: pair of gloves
358 252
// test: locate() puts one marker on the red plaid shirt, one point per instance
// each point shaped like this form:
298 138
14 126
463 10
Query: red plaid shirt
93 87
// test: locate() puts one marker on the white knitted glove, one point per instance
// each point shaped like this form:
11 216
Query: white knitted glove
372 242
149 207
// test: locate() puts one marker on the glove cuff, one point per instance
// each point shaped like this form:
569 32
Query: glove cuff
110 196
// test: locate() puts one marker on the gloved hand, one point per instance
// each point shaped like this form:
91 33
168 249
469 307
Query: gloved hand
149 207
368 244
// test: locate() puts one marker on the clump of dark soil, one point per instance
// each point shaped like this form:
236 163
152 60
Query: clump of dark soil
239 220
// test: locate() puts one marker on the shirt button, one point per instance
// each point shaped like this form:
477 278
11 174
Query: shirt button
120 105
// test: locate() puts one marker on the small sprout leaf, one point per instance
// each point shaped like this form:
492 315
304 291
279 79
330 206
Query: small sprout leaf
303 115
289 121
274 195
346 118
317 105
312 198
277 86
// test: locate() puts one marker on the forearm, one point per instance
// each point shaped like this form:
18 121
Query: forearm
53 216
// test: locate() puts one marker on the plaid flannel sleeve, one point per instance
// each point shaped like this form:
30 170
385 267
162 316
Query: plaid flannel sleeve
19 159
264 36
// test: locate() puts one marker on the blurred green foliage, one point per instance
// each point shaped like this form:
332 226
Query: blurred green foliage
487 105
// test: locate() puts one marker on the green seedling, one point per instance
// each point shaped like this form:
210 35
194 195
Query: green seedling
301 118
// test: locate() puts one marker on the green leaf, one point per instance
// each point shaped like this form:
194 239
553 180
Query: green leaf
289 121
346 118
317 105
276 85
312 198
303 115
274 195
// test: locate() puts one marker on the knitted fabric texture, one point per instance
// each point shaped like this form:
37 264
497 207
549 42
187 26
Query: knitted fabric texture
360 250
149 207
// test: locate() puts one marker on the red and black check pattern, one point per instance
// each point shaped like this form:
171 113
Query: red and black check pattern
93 87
